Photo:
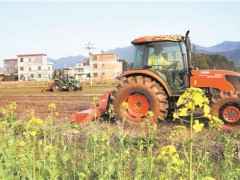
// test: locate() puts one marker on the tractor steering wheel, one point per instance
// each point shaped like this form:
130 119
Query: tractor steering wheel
173 65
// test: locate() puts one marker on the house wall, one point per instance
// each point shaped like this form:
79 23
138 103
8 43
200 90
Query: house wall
34 67
104 66
81 71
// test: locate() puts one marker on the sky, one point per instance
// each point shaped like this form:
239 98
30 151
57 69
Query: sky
64 28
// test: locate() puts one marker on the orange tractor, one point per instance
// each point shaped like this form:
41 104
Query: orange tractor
156 87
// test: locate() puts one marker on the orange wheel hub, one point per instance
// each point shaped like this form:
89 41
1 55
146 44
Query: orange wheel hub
138 106
231 114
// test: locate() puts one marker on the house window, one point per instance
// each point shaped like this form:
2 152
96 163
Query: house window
29 60
49 68
21 59
103 74
22 77
94 57
30 68
39 67
95 74
32 75
39 75
21 69
94 65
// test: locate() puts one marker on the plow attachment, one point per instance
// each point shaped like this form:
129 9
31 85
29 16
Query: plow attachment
93 112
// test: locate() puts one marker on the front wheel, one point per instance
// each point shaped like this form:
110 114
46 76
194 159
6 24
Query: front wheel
227 108
141 95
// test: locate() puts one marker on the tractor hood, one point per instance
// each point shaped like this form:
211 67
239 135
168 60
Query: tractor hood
220 79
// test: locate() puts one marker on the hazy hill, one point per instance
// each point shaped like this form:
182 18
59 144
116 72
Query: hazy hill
66 61
228 48
126 53
224 46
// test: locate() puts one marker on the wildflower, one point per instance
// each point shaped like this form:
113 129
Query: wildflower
124 105
52 106
26 134
47 148
82 176
52 158
4 123
31 112
198 126
21 144
150 115
38 121
33 133
104 137
40 142
127 153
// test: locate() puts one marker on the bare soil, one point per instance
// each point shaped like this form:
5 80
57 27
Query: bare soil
29 96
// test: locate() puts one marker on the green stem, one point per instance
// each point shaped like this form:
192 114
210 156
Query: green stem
191 143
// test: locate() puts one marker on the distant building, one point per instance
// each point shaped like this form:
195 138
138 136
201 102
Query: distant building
34 67
28 67
1 74
104 66
10 69
82 70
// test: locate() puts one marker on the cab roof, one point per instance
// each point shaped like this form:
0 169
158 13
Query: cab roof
144 39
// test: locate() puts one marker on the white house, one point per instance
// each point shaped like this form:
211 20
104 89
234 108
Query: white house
34 67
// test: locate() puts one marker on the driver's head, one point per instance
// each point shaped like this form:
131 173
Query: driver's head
157 50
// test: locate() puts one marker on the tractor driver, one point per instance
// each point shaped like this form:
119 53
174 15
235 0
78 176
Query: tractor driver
157 61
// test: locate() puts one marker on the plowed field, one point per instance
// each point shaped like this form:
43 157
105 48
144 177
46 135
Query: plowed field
28 95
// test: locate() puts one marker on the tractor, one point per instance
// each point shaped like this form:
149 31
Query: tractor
64 82
157 87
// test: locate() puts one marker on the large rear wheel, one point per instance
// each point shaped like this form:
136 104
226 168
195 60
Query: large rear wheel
227 107
57 86
141 95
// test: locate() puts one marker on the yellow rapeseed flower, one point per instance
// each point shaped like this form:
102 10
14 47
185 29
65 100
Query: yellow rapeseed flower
52 106
124 105
150 115
40 142
104 137
21 143
33 133
198 126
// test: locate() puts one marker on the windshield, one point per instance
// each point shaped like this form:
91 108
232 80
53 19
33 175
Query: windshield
169 50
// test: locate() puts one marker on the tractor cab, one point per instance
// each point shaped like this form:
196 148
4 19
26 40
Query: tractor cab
167 57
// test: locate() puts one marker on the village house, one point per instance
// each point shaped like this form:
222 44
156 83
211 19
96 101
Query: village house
82 70
104 66
28 67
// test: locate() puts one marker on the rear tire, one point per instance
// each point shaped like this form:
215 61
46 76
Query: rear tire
57 86
227 107
142 94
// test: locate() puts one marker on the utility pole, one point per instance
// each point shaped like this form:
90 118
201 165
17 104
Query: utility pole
89 47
